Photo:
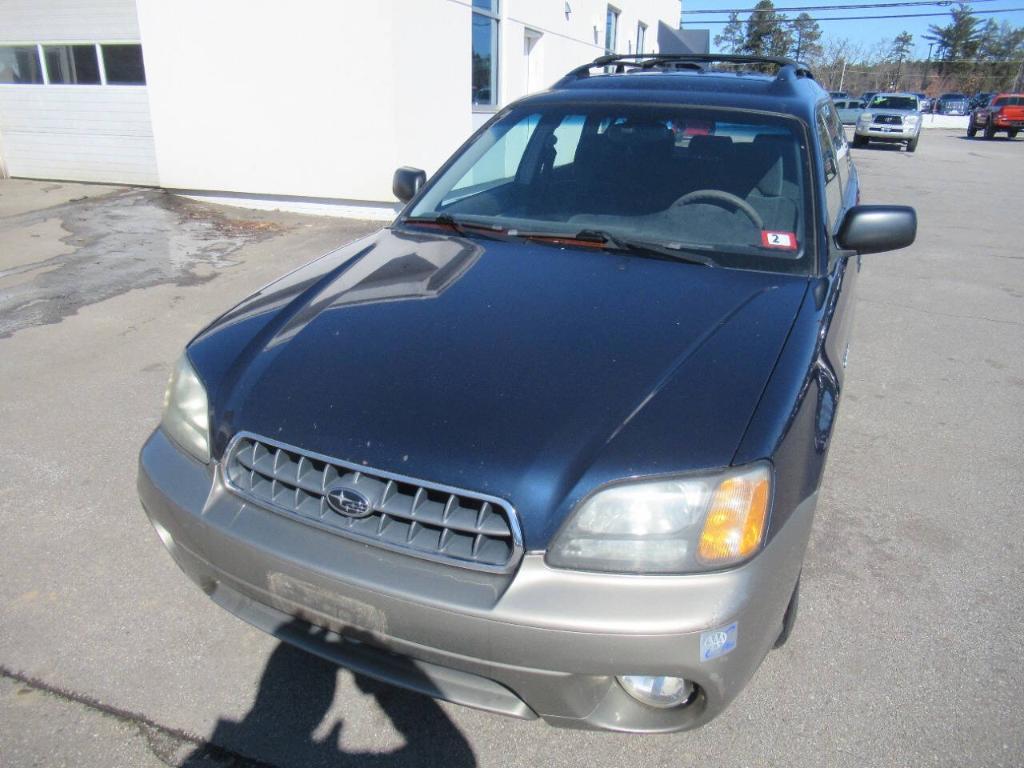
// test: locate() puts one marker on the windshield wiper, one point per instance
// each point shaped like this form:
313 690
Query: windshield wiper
647 248
461 228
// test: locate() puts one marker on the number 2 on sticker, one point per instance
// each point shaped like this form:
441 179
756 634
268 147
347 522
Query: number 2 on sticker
784 240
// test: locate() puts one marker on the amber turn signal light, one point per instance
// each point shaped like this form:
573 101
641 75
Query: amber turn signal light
735 522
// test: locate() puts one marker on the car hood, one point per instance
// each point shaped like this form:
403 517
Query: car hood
516 369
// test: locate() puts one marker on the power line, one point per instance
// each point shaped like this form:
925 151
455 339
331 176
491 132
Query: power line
881 16
833 7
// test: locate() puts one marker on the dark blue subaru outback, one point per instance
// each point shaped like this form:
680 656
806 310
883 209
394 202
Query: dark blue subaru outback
551 443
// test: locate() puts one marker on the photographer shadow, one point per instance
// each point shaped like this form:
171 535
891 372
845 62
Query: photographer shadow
295 694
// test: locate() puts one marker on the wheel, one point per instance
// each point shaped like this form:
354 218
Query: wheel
1012 133
912 144
990 130
789 617
859 141
972 129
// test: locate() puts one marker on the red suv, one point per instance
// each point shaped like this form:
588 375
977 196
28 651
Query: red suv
1004 112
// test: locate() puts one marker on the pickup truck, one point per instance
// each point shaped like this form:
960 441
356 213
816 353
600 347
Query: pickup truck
1003 112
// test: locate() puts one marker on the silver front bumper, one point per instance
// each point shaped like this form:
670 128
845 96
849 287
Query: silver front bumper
540 641
889 132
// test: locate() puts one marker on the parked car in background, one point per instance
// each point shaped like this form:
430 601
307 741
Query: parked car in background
867 96
952 104
890 117
980 99
849 110
838 95
1003 112
550 444
924 102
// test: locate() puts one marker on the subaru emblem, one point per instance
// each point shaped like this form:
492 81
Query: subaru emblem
349 502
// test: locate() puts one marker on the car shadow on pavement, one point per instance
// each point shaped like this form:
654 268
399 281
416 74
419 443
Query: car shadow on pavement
295 693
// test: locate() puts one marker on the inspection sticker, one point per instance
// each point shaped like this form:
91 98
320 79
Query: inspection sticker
784 240
717 642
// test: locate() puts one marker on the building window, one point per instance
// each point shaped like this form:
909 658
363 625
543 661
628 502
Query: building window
611 29
72 64
20 64
641 37
485 53
123 64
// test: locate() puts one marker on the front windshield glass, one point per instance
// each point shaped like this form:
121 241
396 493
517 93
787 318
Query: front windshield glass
894 102
1008 101
729 186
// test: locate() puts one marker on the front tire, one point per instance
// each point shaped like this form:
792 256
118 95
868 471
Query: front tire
912 144
972 129
1012 133
859 141
990 130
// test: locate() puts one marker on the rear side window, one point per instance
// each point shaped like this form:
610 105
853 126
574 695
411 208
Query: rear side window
835 129
830 166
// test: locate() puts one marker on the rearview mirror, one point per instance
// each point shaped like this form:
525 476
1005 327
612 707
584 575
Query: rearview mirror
877 228
407 182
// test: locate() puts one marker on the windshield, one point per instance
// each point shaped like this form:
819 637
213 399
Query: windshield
1009 101
894 102
728 186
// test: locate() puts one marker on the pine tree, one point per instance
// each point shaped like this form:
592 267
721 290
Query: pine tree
767 31
957 40
732 37
806 38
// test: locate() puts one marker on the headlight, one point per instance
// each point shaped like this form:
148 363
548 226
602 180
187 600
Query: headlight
912 119
678 525
186 413
865 117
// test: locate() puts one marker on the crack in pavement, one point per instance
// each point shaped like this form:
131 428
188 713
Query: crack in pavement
165 743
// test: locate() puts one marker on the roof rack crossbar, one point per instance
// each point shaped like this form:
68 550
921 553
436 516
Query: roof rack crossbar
788 68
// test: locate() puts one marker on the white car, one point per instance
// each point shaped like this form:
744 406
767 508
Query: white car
890 117
849 110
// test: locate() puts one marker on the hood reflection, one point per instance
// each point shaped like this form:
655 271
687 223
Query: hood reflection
404 266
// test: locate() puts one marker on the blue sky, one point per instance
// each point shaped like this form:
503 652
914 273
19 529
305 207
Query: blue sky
864 32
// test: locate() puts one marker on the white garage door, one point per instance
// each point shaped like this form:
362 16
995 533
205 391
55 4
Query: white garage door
73 101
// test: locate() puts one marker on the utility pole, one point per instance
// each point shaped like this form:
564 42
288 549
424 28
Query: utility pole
927 66
1018 84
842 77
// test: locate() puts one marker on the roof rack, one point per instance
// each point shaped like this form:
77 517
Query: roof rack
789 69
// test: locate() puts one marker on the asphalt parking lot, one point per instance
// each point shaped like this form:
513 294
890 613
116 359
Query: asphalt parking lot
909 643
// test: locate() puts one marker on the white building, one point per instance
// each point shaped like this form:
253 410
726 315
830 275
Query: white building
308 101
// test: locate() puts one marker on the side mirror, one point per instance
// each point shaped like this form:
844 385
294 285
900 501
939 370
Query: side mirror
877 228
407 182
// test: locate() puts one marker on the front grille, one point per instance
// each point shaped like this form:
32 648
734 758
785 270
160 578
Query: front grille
418 518
889 120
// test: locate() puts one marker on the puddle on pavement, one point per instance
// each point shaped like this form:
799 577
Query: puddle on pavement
106 246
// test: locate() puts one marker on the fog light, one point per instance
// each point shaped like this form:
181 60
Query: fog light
657 691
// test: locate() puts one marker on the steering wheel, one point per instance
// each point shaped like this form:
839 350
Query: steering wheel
718 196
